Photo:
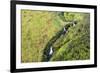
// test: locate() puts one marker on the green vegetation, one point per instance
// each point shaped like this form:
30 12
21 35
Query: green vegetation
42 29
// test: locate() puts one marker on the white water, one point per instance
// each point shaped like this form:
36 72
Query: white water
51 51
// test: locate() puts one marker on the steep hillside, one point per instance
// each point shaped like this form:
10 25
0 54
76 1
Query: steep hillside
75 44
38 27
67 33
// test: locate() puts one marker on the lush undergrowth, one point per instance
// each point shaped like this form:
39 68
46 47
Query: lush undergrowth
75 45
41 27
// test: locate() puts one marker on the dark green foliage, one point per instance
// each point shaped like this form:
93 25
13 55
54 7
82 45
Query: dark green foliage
61 15
74 45
53 40
43 29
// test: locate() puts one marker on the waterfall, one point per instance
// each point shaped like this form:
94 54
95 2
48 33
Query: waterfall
51 51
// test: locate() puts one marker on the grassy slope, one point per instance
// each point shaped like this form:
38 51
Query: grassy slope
38 27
